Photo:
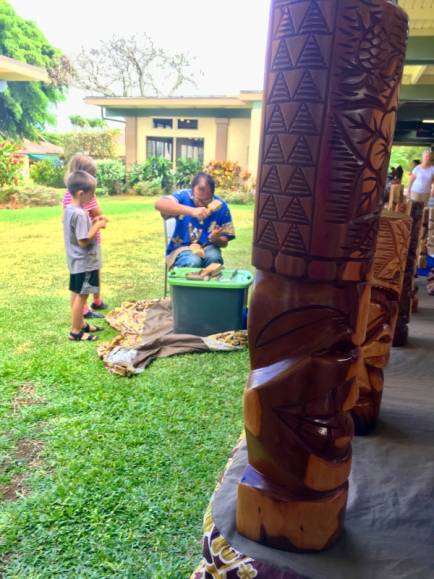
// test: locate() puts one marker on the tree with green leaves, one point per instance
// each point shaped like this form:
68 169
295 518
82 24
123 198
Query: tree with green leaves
84 123
24 106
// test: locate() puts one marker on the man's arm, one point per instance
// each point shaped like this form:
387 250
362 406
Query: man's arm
169 207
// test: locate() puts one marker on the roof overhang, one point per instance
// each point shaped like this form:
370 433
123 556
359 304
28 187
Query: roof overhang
168 102
14 70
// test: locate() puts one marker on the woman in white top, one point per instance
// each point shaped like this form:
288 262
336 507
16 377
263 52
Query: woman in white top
421 183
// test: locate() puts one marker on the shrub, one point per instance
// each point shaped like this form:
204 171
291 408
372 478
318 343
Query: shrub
227 174
97 144
111 176
148 188
10 164
49 173
153 169
136 174
186 169
236 197
31 196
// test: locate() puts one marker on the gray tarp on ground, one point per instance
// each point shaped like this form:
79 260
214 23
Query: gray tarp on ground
389 528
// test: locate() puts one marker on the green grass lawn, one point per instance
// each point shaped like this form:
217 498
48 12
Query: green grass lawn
103 476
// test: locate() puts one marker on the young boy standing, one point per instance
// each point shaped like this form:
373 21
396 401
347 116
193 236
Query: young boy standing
82 251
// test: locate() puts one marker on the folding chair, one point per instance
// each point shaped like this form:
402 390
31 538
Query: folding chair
169 228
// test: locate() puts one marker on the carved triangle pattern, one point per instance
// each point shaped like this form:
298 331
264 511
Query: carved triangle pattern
272 182
276 124
274 153
268 235
307 90
294 240
362 239
279 92
311 54
301 154
286 25
295 213
269 210
303 122
313 21
345 172
298 185
282 60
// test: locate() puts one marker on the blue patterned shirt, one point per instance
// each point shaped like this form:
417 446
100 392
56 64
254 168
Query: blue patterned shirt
189 230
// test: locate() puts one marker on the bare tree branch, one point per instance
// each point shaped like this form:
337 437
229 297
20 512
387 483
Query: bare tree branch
132 67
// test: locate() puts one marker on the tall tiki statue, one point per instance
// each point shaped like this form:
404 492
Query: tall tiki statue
330 105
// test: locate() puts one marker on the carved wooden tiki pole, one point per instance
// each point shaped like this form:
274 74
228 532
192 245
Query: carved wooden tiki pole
388 273
330 102
408 286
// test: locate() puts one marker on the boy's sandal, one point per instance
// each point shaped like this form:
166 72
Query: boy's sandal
87 328
91 314
101 306
80 337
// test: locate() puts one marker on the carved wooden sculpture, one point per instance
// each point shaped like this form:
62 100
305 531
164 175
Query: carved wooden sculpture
388 274
408 286
423 249
430 241
396 195
330 103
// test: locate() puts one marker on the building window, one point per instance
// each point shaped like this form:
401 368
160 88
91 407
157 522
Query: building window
190 149
188 124
162 123
159 147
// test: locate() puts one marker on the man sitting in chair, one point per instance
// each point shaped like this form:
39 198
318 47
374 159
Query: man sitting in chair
203 224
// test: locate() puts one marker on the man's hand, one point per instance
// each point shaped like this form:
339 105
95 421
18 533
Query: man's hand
218 237
200 213
214 236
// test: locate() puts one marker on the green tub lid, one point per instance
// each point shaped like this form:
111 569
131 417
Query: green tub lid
229 279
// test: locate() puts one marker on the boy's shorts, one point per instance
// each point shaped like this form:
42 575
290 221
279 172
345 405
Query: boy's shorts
84 283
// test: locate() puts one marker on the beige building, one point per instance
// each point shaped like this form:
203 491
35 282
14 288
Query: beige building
202 128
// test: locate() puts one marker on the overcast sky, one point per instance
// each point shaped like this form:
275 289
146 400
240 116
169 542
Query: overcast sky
226 37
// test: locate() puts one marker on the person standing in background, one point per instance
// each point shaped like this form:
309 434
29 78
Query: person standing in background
421 183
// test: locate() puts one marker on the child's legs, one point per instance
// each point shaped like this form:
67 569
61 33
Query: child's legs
77 303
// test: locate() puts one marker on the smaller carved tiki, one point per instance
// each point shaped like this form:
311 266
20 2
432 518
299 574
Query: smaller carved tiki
388 274
408 289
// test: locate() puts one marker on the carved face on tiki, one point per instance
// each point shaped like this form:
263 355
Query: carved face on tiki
309 380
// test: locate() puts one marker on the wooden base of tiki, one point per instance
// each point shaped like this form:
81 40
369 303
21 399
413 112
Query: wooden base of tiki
290 524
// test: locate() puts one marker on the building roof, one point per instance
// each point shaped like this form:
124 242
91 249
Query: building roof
42 148
14 70
181 102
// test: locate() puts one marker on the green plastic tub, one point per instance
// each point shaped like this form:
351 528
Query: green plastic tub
208 307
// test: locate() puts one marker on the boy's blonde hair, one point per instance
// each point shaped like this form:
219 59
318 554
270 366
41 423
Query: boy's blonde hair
81 162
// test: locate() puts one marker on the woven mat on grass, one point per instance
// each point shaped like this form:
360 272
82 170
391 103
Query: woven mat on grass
146 333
